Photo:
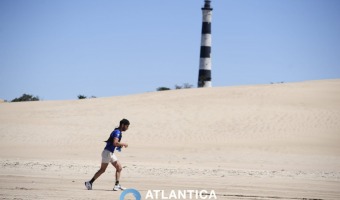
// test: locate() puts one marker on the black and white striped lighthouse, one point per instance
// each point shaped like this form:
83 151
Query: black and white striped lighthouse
204 75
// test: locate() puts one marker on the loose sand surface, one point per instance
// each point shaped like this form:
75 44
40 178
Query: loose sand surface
275 141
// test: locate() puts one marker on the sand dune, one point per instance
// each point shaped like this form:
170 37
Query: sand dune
277 141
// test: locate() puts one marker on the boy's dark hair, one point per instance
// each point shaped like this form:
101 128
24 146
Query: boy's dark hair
124 122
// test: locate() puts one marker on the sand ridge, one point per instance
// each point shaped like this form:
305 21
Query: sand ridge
275 141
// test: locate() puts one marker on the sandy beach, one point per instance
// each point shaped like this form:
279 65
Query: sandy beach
274 141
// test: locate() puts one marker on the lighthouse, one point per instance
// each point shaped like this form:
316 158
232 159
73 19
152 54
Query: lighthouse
204 75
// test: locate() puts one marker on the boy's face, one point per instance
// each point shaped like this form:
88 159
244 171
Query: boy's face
125 127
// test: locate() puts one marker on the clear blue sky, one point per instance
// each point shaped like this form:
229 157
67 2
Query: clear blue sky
62 48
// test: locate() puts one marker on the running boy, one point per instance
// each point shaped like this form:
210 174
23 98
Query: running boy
114 142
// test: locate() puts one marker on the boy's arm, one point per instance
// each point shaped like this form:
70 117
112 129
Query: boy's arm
119 144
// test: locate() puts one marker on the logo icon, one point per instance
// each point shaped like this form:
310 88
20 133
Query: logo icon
135 193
